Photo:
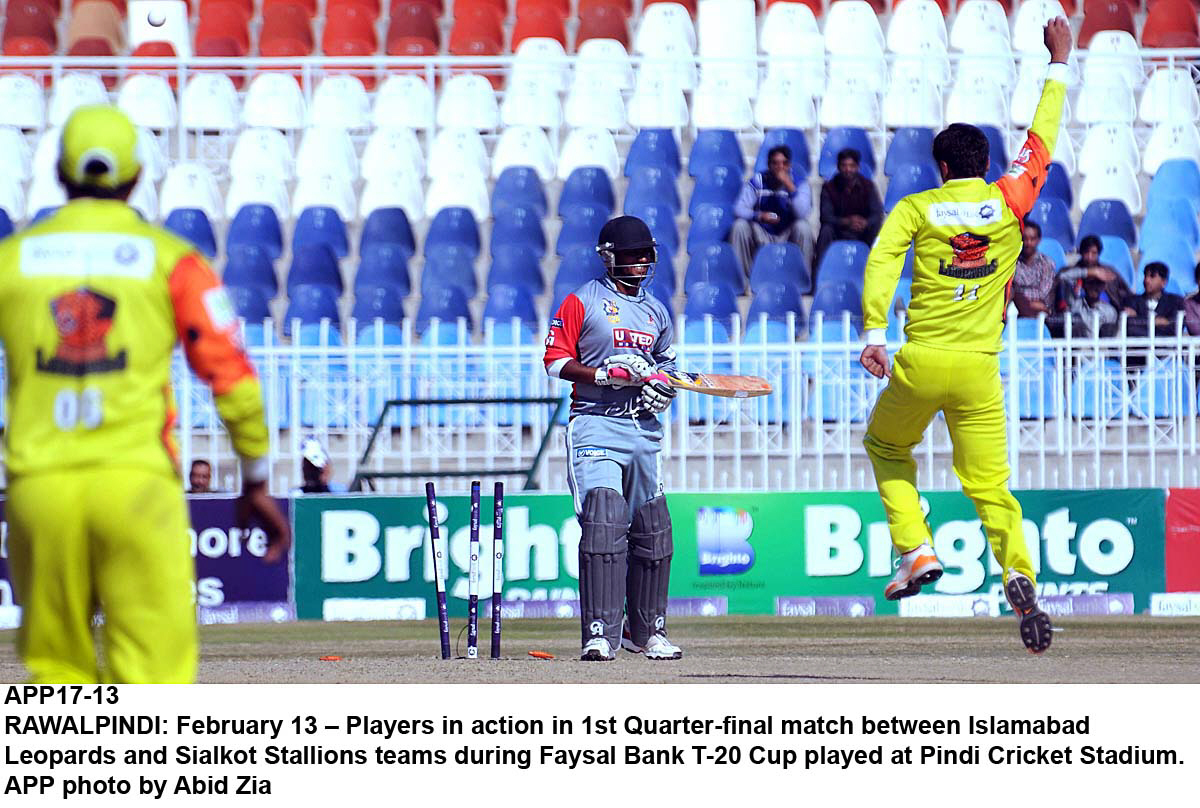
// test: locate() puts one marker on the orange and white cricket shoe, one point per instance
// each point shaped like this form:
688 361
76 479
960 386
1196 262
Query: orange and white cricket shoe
1035 628
914 569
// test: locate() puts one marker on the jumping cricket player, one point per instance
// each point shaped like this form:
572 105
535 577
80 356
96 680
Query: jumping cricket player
613 340
92 302
967 235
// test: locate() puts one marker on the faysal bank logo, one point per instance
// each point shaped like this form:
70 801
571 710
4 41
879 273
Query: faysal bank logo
723 541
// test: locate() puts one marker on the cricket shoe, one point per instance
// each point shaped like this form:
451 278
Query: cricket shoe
597 649
1035 628
914 569
657 647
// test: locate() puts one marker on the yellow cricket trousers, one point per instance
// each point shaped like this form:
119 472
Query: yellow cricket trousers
113 540
966 387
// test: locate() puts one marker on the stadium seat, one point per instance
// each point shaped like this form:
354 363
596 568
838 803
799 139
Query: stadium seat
716 185
853 23
71 91
453 225
193 225
1054 251
263 150
506 302
1171 24
1111 15
606 57
843 261
341 99
519 226
468 101
542 60
457 149
516 264
373 303
834 297
712 300
1172 218
1109 102
148 101
383 264
581 228
1109 217
910 179
249 303
715 147
524 146
6 225
447 304
17 163
464 187
1170 95
1115 253
520 186
1171 141
286 30
450 265
388 226
714 263
785 101
393 190
538 18
412 20
650 185
665 21
837 139
1054 217
795 140
1058 184
256 225
1175 179
776 300
1177 255
22 103
326 149
579 265
1107 144
722 103
314 264
850 101
1114 54
274 100
589 147
191 185
601 21
251 267
782 24
780 263
908 145
404 102
662 280
913 103
29 28
327 187
915 26
392 150
321 225
530 102
1115 181
710 223
594 101
587 186
653 147
657 101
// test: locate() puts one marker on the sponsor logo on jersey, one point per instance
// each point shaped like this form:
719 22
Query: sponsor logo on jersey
556 322
965 214
590 451
83 319
88 255
628 338
611 310
970 258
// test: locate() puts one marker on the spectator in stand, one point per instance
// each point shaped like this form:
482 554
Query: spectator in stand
850 206
1155 304
1033 283
772 208
1070 281
1191 316
1090 305
200 477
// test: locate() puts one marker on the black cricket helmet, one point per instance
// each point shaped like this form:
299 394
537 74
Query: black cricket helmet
621 243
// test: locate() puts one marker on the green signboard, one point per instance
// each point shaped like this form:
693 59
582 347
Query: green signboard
369 557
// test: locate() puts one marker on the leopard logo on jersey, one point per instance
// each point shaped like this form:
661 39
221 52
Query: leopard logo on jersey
611 311
83 319
970 258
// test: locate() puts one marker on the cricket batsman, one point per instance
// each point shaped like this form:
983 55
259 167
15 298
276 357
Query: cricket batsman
613 340
92 302
967 235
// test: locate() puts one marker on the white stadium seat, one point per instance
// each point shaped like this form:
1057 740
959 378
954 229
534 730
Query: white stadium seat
1114 53
73 90
867 68
849 101
1064 151
468 101
976 21
782 24
1107 144
148 101
150 153
981 102
274 100
258 188
262 149
45 154
916 25
524 146
12 198
607 59
44 192
995 67
1115 181
657 102
721 104
326 189
670 60
1171 141
785 102
594 101
932 66
326 148
191 185
391 151
17 157
210 101
530 102
806 64
913 103
852 26
460 188
728 41
404 102
340 100
457 149
22 103
542 59
1030 23
589 147
393 190
144 200
662 22
1170 95
1105 103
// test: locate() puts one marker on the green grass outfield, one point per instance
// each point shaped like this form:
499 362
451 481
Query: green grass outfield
716 649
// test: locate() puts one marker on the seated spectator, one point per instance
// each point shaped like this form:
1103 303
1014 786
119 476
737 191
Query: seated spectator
1191 315
1033 284
1070 281
772 209
1091 305
316 470
850 206
1155 304
200 477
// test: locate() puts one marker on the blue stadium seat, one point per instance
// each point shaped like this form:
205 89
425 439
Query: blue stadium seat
193 225
653 147
314 335
843 261
506 302
661 221
907 270
1097 390
846 137
516 264
1055 252
519 186
661 288
450 265
1175 179
714 299
664 271
1172 216
702 329
388 226
1108 217
249 302
382 302
795 140
780 263
453 226
714 263
1175 254
519 226
1115 252
651 185
834 297
581 228
321 225
251 266
715 147
311 303
1058 184
997 152
776 300
910 144
379 333
445 303
254 335
716 185
1053 216
256 224
834 327
911 178
6 225
315 264
44 213
710 223
382 264
587 186
1028 328
578 266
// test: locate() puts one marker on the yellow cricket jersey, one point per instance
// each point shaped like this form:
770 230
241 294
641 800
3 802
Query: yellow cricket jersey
92 302
966 237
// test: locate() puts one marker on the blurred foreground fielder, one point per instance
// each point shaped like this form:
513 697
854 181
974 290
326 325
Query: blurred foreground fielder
967 235
92 302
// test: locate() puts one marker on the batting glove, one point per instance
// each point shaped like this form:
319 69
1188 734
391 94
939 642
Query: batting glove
657 394
623 370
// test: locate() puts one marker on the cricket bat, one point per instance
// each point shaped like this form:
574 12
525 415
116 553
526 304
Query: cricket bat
713 384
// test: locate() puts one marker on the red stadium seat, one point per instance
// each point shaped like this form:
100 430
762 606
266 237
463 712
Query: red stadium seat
1112 15
412 46
439 8
309 6
602 19
349 31
1088 5
563 6
26 23
1171 24
370 6
626 6
96 29
499 6
476 22
413 20
247 6
690 5
286 31
223 21
159 58
538 20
